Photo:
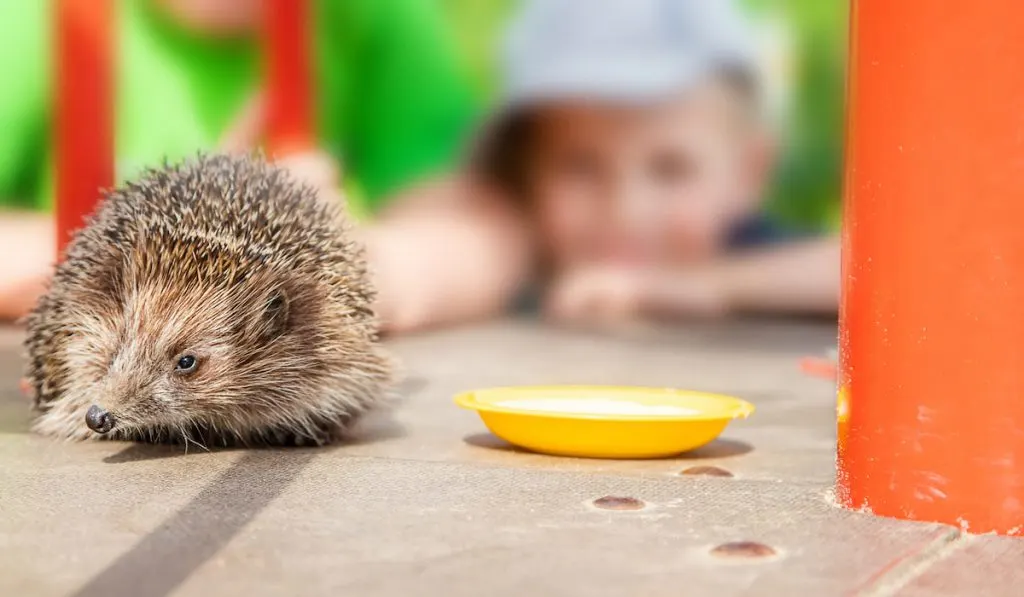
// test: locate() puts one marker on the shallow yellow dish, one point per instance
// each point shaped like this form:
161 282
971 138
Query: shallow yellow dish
604 422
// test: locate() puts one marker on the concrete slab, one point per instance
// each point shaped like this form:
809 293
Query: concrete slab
793 429
424 502
989 566
323 522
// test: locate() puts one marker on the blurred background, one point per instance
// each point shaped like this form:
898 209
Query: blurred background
803 45
402 86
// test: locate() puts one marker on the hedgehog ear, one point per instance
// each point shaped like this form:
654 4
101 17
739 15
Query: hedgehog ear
274 319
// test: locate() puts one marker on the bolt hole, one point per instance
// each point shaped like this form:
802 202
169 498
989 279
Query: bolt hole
706 471
743 549
610 502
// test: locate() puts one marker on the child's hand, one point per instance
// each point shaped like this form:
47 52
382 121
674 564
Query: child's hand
318 169
698 291
314 167
597 295
608 295
32 237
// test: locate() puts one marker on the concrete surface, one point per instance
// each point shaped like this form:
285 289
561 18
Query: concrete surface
424 502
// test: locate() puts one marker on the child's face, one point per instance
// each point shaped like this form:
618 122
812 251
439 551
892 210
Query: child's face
644 186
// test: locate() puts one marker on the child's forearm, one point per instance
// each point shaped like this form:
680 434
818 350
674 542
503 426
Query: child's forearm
802 277
446 264
29 242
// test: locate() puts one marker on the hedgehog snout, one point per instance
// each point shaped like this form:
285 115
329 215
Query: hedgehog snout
99 420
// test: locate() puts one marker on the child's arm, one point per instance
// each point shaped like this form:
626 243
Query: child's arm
450 252
797 278
28 242
801 277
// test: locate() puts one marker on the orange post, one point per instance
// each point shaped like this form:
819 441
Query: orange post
83 127
931 417
290 106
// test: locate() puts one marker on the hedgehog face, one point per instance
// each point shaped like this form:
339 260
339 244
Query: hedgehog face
184 361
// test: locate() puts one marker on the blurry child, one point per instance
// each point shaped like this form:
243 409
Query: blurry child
623 177
394 104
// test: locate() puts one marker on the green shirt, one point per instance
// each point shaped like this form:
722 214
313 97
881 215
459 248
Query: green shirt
394 99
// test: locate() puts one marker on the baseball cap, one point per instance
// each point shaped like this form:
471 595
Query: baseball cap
620 49
623 51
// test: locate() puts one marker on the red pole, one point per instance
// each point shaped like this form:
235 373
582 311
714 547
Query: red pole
84 115
287 55
931 423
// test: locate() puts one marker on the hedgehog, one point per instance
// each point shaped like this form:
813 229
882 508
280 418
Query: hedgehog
215 300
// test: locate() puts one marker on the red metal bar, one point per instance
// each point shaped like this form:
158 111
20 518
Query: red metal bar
287 55
931 423
84 115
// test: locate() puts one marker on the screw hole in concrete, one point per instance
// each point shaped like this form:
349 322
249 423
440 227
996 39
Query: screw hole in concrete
706 471
610 502
743 550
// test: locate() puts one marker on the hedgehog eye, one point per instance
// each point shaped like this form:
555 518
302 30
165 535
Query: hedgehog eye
275 315
186 364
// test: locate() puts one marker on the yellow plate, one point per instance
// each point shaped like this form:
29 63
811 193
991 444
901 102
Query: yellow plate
604 422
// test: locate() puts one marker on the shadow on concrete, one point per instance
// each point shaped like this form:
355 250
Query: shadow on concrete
491 442
720 448
372 427
412 385
141 452
163 559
